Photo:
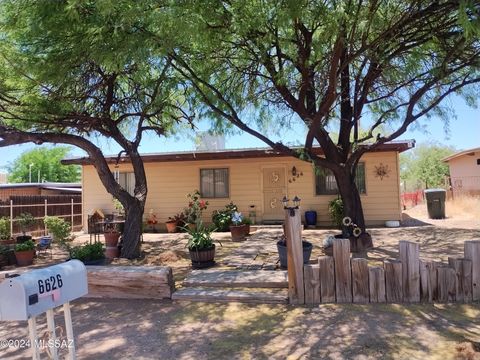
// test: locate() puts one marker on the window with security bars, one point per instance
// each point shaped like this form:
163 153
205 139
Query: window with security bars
325 183
214 183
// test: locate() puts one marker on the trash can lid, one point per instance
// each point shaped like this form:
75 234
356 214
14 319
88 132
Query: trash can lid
434 190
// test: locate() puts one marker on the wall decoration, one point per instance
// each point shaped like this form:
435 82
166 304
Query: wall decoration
295 174
382 171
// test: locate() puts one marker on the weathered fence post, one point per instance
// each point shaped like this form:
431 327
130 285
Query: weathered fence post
11 217
446 283
71 213
376 280
46 214
393 280
463 278
327 279
311 277
343 272
410 257
293 237
360 287
472 252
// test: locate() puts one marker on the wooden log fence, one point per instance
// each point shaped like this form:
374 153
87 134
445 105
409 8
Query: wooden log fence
341 279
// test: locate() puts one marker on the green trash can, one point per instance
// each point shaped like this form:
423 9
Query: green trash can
436 203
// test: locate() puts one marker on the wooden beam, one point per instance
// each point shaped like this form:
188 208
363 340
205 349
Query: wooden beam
293 235
360 285
327 279
343 271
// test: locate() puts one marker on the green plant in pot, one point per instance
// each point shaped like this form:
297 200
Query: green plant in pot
223 218
335 210
238 228
175 221
247 222
193 213
58 228
3 256
24 221
89 254
24 253
5 237
200 246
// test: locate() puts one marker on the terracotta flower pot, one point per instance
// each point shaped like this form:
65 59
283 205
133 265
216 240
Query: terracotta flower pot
24 258
112 252
111 238
171 226
238 232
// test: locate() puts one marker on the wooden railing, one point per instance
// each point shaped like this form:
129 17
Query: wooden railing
409 279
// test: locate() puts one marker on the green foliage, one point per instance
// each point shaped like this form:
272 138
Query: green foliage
4 228
58 227
423 166
45 160
25 220
335 210
223 218
193 213
25 246
200 237
118 206
247 221
4 249
87 252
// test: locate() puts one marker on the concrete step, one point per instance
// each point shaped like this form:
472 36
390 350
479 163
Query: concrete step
237 278
213 295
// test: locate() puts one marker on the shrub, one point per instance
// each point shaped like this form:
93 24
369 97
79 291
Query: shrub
58 227
223 218
25 246
335 209
25 220
4 228
200 237
87 252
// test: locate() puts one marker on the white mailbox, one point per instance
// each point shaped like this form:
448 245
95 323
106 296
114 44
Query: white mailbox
37 291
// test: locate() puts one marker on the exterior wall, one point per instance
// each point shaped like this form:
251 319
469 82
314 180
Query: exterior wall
465 174
169 182
6 193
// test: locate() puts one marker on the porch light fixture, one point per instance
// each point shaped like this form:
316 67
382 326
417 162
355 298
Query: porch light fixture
296 204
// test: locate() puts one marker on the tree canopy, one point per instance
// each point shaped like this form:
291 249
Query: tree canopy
43 164
423 168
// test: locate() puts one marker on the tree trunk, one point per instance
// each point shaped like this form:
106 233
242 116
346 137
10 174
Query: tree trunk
133 229
352 206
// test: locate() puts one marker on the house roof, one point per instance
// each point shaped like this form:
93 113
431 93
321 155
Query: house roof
399 146
461 153
46 185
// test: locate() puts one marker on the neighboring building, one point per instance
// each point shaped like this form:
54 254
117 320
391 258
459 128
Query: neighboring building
3 178
465 172
47 188
250 177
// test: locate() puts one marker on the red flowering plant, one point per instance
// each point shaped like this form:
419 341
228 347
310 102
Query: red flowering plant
196 206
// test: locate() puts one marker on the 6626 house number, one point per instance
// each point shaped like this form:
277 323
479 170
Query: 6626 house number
50 284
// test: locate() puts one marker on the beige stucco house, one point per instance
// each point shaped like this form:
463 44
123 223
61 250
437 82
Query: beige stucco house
254 179
465 172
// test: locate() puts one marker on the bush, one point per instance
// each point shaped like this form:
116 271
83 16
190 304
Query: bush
87 252
4 228
25 246
335 209
25 221
223 218
58 227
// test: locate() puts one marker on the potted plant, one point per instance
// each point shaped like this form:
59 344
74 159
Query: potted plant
89 254
152 221
193 213
200 246
223 218
58 228
247 222
5 237
111 235
24 253
25 221
282 251
237 228
175 221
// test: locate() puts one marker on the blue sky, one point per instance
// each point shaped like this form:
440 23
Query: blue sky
464 133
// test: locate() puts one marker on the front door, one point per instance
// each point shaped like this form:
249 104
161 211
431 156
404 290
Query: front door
274 189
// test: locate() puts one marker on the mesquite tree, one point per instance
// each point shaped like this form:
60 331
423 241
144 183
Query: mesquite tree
73 72
329 65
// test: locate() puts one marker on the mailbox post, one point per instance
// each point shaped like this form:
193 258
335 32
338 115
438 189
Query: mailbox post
39 291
